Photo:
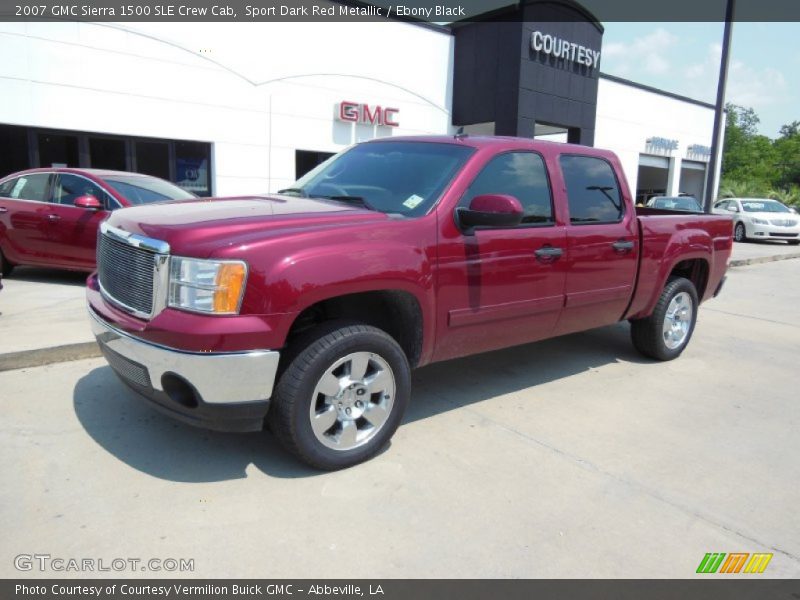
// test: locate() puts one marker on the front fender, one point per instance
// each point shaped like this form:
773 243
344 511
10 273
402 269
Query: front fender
308 276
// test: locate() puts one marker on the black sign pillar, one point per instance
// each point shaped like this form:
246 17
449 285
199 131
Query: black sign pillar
532 63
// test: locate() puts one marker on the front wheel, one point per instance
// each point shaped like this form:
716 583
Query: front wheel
341 397
740 233
665 333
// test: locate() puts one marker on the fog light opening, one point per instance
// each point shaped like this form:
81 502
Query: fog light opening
179 390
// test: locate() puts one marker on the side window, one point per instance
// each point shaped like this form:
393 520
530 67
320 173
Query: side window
27 187
592 190
519 174
69 187
6 187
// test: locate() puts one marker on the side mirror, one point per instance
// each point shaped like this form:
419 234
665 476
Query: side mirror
794 210
490 210
88 202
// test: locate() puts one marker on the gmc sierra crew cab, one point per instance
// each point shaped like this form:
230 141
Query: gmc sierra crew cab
304 311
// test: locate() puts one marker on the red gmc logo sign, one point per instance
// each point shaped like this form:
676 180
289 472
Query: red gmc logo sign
355 112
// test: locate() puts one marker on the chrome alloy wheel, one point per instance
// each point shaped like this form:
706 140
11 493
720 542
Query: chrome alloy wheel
678 320
352 401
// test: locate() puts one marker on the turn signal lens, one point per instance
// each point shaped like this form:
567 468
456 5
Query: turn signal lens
230 284
207 286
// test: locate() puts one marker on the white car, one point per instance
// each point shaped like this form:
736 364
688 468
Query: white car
760 219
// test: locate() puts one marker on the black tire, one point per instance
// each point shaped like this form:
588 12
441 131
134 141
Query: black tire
648 334
5 266
740 233
308 360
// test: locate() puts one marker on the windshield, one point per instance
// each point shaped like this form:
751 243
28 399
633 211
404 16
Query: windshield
678 203
141 189
770 206
405 178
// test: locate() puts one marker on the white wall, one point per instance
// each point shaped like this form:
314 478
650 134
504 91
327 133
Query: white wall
627 116
256 91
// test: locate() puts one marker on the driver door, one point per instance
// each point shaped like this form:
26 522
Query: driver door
73 230
497 287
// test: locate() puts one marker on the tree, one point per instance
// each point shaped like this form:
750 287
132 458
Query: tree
790 130
755 165
747 156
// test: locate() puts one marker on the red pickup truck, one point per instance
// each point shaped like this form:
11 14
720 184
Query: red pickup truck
306 310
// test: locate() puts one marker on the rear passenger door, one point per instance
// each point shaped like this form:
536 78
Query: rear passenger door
24 218
602 244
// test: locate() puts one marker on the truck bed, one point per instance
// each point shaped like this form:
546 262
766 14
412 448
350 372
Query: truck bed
665 235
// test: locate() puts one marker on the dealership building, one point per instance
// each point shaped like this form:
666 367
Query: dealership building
236 108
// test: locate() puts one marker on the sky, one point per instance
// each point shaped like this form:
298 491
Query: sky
684 58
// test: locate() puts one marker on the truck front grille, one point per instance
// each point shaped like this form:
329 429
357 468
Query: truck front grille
126 274
126 368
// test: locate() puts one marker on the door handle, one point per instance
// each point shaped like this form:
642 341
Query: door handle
548 253
622 246
3 209
53 218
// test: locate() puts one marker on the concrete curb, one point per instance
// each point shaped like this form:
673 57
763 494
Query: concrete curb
757 260
46 356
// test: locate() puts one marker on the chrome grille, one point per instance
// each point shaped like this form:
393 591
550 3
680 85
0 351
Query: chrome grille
784 222
126 368
126 274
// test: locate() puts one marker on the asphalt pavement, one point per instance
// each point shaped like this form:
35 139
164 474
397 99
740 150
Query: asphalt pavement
573 457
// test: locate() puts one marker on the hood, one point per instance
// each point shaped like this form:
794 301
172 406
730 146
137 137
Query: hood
198 227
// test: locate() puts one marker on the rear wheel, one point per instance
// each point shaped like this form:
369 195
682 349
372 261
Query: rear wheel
5 266
740 233
341 397
664 334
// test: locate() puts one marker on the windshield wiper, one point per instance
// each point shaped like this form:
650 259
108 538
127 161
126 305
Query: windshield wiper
354 200
299 191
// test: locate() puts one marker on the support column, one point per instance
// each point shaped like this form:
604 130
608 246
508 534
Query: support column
674 176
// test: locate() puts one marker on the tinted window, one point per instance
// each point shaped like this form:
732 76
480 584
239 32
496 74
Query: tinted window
687 203
70 187
192 167
518 174
392 177
139 189
27 187
592 190
6 187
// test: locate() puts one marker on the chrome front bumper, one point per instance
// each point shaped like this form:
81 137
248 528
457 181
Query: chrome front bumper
217 379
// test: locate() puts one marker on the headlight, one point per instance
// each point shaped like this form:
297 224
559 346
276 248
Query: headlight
760 221
207 286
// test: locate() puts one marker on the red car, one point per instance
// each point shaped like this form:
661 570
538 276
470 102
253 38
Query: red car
50 217
306 310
